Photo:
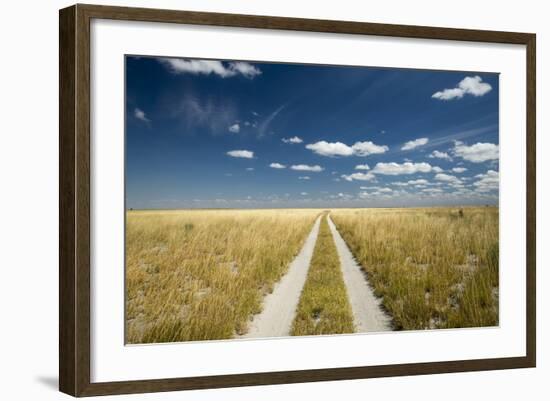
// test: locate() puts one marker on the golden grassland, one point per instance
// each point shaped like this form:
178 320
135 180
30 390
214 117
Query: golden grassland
324 307
201 274
433 267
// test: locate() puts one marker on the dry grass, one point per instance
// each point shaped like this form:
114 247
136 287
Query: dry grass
433 267
324 307
201 275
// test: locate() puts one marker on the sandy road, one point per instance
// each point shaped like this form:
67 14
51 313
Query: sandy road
367 313
279 307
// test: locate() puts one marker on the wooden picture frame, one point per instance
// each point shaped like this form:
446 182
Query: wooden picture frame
74 200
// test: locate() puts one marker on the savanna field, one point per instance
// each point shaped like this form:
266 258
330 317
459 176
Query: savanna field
203 274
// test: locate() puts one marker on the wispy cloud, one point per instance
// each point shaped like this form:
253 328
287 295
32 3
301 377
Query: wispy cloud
304 177
263 127
208 67
414 144
469 85
305 167
211 113
244 154
332 149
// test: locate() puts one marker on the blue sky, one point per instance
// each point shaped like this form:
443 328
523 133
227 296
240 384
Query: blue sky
234 134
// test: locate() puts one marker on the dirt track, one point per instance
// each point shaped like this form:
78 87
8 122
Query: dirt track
367 313
279 307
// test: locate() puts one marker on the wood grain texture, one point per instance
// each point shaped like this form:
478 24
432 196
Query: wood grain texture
67 293
74 199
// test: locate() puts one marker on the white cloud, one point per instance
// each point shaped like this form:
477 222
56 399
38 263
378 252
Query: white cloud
414 144
362 167
366 148
437 169
245 69
235 128
418 182
433 190
459 169
207 67
277 165
440 155
140 115
250 169
477 153
447 178
405 168
488 181
325 148
305 167
304 177
469 85
245 154
359 177
294 139
303 193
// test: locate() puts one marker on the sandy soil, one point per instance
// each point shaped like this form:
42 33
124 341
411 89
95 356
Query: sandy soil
367 312
279 307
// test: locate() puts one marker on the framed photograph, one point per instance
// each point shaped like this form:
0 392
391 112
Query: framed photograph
250 200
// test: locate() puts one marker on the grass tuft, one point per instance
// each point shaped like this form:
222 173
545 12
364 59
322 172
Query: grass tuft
324 307
433 267
201 275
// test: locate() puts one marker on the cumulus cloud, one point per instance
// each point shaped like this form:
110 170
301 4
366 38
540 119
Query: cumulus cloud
305 167
140 115
487 182
294 139
207 67
459 170
244 154
325 148
436 154
405 168
235 128
418 182
362 167
368 148
477 153
447 178
359 177
414 144
469 85
432 190
277 165
331 149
